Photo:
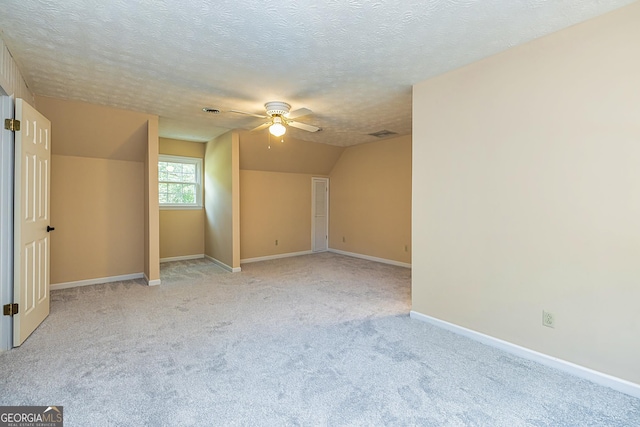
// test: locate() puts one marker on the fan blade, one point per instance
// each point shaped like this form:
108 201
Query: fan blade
249 114
298 113
303 126
262 126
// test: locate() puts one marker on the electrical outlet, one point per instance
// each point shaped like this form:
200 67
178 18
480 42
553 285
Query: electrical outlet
548 319
276 242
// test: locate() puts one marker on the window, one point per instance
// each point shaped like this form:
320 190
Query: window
180 182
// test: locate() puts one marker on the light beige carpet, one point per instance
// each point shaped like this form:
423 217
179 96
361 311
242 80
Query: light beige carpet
313 340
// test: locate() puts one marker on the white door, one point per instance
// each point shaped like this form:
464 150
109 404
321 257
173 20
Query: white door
320 214
31 220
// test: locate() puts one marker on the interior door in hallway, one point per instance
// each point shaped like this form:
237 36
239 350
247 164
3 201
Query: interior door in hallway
320 214
31 220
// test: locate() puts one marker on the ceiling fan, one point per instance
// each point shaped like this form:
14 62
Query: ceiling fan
280 116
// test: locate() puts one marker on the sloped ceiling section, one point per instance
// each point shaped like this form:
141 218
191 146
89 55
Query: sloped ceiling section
88 130
262 152
351 62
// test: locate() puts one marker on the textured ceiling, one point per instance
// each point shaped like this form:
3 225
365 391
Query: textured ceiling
352 62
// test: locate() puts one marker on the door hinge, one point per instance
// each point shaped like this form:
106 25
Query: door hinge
10 309
12 124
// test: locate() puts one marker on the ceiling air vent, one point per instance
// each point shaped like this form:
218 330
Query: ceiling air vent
383 133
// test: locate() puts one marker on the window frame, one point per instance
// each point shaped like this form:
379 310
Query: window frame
199 190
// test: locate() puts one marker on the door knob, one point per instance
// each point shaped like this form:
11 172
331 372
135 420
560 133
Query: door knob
49 228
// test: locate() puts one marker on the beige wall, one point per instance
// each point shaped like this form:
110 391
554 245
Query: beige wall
151 212
97 209
181 230
370 200
221 199
526 195
109 220
274 206
275 191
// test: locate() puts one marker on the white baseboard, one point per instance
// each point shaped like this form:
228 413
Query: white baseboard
371 258
97 281
154 282
223 265
278 256
597 377
181 258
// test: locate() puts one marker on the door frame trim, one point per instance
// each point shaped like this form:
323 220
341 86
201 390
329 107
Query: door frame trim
6 220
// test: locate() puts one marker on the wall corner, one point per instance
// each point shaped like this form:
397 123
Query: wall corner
152 209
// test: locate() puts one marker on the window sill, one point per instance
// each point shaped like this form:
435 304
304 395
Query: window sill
180 208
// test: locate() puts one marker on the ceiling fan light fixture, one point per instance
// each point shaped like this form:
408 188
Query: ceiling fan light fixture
277 129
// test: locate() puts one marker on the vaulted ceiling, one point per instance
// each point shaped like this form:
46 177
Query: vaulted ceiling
351 62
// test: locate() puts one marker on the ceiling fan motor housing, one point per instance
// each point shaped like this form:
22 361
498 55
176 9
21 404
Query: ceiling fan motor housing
277 108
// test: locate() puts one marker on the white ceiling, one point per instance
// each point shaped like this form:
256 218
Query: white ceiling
352 62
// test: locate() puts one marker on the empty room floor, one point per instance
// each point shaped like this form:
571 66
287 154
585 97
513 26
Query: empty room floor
318 339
